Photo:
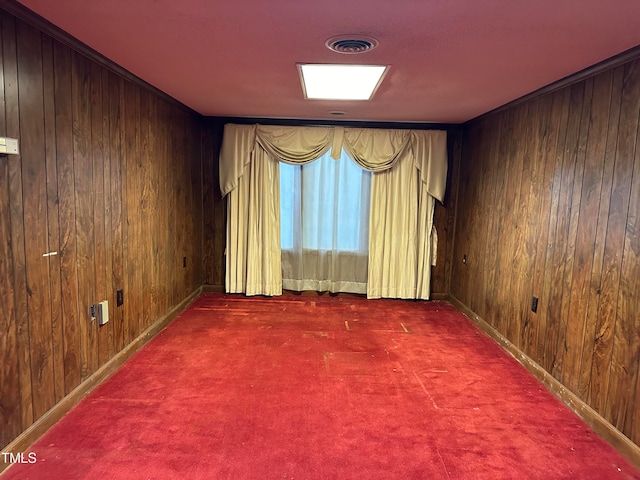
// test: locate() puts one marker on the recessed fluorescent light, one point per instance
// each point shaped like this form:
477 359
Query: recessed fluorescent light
340 82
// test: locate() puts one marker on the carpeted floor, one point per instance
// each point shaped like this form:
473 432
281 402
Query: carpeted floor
321 388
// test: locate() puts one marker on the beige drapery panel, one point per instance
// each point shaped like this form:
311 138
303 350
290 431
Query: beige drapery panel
423 152
400 252
253 230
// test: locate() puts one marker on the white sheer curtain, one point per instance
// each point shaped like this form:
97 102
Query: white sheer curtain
325 225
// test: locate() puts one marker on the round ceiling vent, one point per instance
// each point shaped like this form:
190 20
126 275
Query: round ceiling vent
351 44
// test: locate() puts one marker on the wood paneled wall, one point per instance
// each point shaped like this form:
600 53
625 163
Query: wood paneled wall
215 216
549 206
109 177
444 217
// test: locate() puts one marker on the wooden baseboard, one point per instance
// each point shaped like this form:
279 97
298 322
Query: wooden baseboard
44 423
213 288
596 421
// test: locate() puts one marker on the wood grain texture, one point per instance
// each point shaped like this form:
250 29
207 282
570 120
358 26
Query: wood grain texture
555 181
53 222
549 115
593 319
626 337
10 409
34 189
214 237
592 156
539 185
16 208
105 335
115 101
444 217
84 203
133 198
491 173
109 177
576 144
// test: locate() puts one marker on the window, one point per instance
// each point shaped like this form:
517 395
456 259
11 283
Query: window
324 205
324 221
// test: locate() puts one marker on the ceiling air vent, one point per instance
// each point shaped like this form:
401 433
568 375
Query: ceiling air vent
351 44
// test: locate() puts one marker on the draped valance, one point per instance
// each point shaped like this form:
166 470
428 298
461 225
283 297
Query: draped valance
375 150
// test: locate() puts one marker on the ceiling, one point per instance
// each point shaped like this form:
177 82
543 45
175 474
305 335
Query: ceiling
451 60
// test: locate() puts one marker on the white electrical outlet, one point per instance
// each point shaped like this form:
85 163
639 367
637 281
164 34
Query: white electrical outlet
9 146
103 312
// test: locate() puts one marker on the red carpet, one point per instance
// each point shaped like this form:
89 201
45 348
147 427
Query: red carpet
321 388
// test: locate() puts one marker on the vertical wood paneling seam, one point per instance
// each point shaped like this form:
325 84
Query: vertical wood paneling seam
107 181
81 316
502 262
634 397
52 284
634 172
48 396
26 347
488 177
123 206
11 423
523 175
202 184
605 209
594 256
560 107
96 159
495 223
538 165
554 127
457 159
621 263
63 79
75 223
617 302
559 253
124 155
456 179
572 238
567 256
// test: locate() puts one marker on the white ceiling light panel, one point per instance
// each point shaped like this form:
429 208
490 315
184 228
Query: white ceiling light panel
340 82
